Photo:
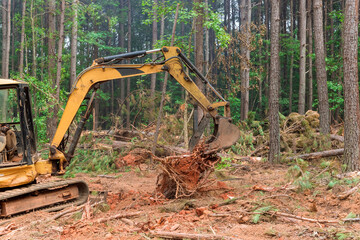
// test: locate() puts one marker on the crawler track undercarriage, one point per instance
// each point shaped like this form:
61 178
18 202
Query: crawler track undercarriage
52 196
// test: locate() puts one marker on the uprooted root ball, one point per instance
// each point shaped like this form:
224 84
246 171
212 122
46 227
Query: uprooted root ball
184 175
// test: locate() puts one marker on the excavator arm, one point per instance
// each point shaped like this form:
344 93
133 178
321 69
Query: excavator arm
108 68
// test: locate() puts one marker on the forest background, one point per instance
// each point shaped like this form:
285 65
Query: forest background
238 45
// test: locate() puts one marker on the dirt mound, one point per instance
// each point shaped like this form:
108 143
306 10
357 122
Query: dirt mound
133 158
184 175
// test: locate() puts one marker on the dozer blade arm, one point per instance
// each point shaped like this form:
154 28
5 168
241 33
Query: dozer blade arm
108 68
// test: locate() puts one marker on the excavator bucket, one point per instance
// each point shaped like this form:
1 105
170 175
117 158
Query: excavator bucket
225 135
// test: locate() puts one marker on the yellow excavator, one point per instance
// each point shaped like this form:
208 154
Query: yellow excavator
20 163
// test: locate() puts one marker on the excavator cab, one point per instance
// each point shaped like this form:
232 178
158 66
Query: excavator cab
17 139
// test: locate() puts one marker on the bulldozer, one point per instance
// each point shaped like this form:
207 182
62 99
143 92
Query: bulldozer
20 162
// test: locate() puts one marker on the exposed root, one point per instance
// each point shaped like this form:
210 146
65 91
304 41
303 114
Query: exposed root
184 175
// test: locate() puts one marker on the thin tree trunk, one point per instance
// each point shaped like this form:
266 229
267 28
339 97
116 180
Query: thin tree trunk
128 79
267 46
22 41
74 35
292 55
274 151
122 45
162 23
59 52
164 87
6 11
199 52
351 88
245 13
153 76
320 68
310 51
51 127
302 64
34 62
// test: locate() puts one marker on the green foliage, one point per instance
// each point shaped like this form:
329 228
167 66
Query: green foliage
225 162
91 161
260 211
300 174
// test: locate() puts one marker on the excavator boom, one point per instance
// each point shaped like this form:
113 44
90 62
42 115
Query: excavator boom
110 68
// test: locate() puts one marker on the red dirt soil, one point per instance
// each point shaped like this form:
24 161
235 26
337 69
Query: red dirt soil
255 186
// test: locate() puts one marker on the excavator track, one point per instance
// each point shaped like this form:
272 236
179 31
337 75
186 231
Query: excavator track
52 195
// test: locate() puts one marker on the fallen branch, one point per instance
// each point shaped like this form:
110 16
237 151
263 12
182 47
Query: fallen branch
315 155
174 235
346 194
337 137
281 214
117 216
228 202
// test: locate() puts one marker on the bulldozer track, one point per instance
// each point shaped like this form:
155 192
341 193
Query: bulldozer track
24 191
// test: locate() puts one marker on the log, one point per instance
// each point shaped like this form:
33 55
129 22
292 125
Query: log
337 137
118 145
346 194
175 235
117 216
315 155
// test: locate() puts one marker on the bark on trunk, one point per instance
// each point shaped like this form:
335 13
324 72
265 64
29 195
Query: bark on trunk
22 41
302 63
34 40
51 127
6 11
74 31
199 49
59 52
320 68
128 79
310 51
292 56
245 13
153 76
274 151
351 88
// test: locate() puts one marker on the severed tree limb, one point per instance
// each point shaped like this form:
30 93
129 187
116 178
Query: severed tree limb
281 214
117 216
346 194
175 235
315 155
337 137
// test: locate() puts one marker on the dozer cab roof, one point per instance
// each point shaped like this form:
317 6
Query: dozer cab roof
10 82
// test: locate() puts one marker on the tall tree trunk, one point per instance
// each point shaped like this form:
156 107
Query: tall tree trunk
22 41
267 46
128 80
74 35
153 76
320 68
351 87
274 151
302 63
292 55
122 45
162 23
6 37
59 53
245 13
34 61
163 92
310 51
51 127
199 50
